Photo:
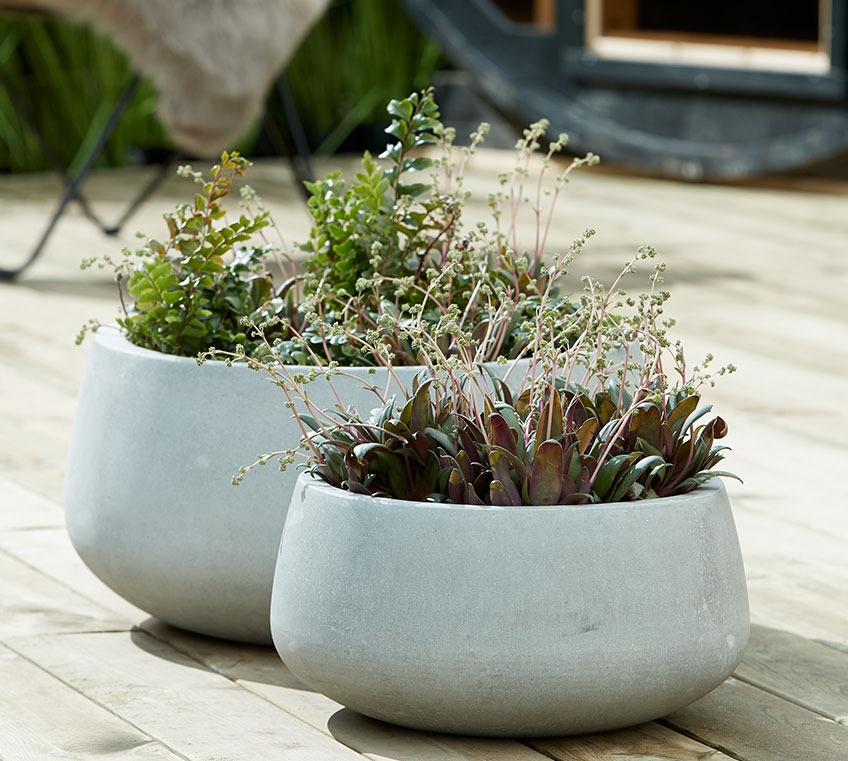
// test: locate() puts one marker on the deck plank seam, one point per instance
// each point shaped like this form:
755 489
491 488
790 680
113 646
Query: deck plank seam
789 699
245 687
152 740
67 587
717 747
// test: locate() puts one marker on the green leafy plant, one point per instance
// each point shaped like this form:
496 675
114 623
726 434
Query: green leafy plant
392 246
389 248
194 290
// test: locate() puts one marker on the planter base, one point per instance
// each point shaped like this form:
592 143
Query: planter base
510 621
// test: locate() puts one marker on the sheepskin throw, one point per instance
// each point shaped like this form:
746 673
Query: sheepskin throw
212 61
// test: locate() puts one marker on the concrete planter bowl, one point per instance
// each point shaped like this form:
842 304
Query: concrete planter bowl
149 503
535 621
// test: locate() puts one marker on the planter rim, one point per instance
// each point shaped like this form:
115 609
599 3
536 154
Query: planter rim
712 488
114 338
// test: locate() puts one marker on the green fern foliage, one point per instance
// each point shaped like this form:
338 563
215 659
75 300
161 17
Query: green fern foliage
193 290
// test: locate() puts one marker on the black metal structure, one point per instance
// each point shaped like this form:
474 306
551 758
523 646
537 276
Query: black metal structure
73 183
691 120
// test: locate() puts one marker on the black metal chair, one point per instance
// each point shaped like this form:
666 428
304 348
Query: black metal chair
73 182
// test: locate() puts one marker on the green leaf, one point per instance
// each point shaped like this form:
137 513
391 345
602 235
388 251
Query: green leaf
421 411
401 109
416 164
695 416
545 483
413 190
442 439
309 421
398 129
391 467
364 452
648 448
632 474
606 474
677 416
514 461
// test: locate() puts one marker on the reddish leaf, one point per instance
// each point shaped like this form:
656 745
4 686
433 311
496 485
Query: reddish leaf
456 487
646 424
500 496
501 473
586 434
501 434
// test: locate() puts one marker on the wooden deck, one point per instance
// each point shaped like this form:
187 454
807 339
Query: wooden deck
759 277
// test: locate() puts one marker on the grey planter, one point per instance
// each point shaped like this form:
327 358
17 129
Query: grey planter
149 503
510 621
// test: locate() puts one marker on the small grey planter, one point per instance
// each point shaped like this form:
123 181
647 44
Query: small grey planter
534 621
149 503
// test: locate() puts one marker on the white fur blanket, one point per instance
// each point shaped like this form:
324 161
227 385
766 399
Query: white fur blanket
212 61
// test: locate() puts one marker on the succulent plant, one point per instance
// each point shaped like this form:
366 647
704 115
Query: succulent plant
592 417
586 410
570 448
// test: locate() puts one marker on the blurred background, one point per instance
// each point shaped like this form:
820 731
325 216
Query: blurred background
689 90
360 54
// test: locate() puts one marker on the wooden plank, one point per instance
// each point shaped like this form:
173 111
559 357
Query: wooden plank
33 448
256 668
41 718
802 671
757 726
261 671
49 551
21 508
32 603
646 742
770 528
379 741
544 14
779 602
172 698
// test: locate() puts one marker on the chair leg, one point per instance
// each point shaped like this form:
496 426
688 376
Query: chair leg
72 190
301 156
47 149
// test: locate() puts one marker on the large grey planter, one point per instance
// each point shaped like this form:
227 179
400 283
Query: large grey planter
150 507
510 621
